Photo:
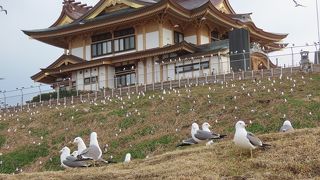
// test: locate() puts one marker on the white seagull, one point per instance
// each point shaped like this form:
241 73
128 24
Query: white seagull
127 158
286 127
68 161
201 135
80 143
246 140
93 152
205 127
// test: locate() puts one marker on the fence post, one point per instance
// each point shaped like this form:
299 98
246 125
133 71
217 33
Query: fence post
291 70
312 66
252 74
188 81
145 87
65 101
232 75
71 99
272 72
120 91
261 73
224 76
170 84
137 91
161 85
112 92
104 92
281 71
179 82
197 80
88 96
152 86
58 94
206 79
243 75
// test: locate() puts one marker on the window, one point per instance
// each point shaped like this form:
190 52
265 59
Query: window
215 36
102 44
192 67
125 80
178 37
94 79
86 81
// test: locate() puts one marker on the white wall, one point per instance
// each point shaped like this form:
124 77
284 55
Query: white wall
204 39
140 42
171 72
152 40
88 53
102 77
141 72
191 39
79 80
149 71
164 74
111 72
167 37
78 52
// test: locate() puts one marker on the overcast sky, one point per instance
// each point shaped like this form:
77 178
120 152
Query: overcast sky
21 57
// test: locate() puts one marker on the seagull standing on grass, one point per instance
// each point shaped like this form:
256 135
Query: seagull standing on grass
205 127
246 140
201 135
93 152
127 158
80 143
286 127
68 161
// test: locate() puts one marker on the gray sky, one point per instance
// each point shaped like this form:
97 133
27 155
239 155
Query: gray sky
21 57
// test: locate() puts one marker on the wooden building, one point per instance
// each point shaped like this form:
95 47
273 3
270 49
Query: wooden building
118 43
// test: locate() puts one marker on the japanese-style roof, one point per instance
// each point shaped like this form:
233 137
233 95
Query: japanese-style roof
64 60
71 11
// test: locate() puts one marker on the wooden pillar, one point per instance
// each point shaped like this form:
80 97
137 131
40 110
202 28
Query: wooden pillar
160 29
199 35
84 49
144 37
145 71
153 72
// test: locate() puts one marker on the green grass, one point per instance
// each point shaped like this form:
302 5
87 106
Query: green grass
3 140
3 126
53 164
39 132
22 157
127 122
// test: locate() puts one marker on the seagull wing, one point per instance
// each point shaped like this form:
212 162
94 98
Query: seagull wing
295 2
91 152
72 162
5 11
1 7
205 135
187 142
255 141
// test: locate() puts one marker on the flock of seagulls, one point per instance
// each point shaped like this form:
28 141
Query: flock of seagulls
242 138
3 10
84 154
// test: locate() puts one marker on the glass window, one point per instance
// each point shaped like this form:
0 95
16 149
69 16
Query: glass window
205 65
133 78
94 50
178 37
109 47
196 66
94 79
187 68
121 45
116 45
87 81
99 47
104 48
132 43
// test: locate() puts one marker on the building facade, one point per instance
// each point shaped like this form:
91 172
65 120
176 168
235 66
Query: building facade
119 43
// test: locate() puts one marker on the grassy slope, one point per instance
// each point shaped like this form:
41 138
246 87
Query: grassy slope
154 130
292 155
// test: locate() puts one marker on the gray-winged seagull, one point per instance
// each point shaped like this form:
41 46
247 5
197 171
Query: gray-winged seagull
201 135
286 127
246 140
68 161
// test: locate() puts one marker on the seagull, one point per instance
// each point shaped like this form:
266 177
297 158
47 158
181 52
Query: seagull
4 10
68 161
127 158
246 140
298 4
201 135
93 152
286 127
205 127
81 145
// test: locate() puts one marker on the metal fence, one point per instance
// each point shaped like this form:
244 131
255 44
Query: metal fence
96 92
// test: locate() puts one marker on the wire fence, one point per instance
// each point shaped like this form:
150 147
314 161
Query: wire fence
175 74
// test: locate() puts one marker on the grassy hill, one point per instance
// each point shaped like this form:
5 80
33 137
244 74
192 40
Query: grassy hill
152 124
